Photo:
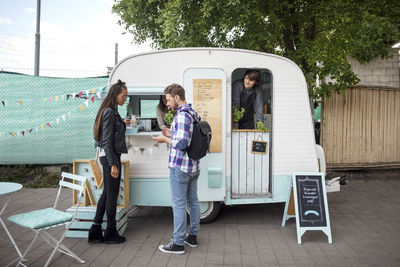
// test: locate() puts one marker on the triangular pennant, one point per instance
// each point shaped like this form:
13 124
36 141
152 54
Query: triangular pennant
93 90
23 133
98 94
37 129
80 94
73 95
42 126
48 124
13 134
62 97
87 103
56 98
80 107
21 102
58 121
30 130
92 98
18 133
4 103
50 99
68 96
87 93
63 117
44 100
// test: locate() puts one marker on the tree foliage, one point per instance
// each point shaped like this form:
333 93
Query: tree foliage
318 35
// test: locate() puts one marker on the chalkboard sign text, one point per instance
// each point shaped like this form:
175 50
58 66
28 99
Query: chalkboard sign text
259 147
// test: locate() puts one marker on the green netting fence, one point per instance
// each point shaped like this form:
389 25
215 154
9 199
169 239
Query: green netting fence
47 120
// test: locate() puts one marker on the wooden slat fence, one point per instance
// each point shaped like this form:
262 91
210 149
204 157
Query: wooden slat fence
361 128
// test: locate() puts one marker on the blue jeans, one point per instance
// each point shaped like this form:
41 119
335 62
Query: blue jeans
184 190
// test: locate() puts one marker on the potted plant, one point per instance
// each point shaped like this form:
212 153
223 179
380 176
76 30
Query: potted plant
169 116
261 126
237 116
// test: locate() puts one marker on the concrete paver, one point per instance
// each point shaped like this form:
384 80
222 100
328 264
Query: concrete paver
364 215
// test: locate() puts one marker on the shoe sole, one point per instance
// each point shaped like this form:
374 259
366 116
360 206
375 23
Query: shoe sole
95 241
190 245
114 242
160 247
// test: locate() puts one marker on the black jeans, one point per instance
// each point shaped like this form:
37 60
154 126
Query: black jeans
108 200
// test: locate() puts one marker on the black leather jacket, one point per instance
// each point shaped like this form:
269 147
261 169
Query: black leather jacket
112 135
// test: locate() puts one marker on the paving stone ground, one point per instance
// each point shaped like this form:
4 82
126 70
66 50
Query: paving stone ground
365 222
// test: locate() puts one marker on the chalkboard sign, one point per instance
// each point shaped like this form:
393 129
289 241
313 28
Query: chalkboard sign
311 205
259 147
310 200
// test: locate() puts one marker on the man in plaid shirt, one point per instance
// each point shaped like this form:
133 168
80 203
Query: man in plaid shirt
184 171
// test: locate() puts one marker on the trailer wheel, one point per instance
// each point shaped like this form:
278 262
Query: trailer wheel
208 211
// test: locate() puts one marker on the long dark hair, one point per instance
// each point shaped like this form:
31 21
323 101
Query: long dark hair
109 102
162 106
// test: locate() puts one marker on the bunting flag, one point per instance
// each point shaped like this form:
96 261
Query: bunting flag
50 124
98 95
88 94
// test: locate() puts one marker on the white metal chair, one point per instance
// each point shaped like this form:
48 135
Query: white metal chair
41 220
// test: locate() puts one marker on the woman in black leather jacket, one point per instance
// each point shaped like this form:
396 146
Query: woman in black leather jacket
109 133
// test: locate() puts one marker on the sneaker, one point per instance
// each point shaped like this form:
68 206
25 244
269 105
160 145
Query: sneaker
191 240
171 247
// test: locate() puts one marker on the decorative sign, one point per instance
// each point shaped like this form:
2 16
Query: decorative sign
311 205
310 201
259 147
207 102
308 193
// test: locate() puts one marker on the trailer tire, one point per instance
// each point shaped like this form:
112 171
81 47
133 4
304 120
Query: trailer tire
208 211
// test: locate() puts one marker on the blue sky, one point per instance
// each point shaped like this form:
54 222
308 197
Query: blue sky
77 37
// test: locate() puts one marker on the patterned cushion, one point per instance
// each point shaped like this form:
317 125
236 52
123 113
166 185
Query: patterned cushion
40 218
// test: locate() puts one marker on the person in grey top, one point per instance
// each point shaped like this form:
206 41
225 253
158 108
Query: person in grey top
247 94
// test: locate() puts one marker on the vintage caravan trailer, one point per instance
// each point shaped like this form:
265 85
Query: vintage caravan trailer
235 172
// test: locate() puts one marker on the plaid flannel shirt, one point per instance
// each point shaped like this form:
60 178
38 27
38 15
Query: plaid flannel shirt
181 135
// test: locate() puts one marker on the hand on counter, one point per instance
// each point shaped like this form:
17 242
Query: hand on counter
162 139
127 121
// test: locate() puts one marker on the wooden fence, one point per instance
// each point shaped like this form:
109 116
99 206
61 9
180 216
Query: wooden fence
361 128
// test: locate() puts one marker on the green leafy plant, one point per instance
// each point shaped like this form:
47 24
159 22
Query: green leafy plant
237 115
169 116
261 126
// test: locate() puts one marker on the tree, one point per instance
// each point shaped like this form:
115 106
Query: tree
318 35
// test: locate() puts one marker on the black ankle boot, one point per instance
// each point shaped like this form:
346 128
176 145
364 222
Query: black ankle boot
95 234
111 236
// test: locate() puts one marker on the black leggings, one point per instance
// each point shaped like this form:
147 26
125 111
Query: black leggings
108 200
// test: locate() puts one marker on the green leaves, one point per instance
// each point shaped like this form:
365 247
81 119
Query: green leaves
169 116
236 114
318 36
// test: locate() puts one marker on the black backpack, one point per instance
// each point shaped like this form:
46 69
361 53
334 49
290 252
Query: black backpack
201 138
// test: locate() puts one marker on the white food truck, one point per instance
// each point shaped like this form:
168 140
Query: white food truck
243 166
